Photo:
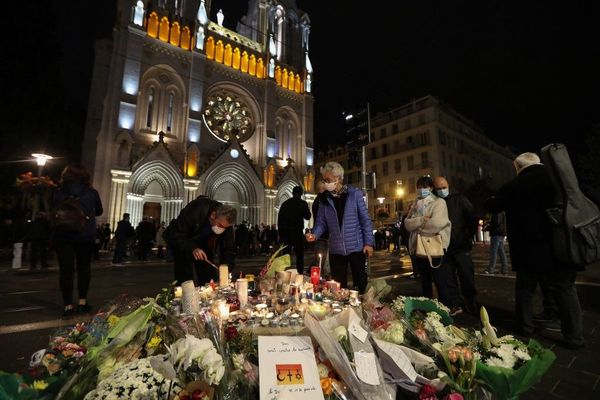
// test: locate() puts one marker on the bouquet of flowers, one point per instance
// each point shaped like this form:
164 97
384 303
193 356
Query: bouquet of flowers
275 264
508 366
136 380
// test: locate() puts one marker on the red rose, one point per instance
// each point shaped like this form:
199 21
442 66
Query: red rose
428 393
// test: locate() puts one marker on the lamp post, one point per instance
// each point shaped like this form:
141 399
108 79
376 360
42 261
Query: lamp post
41 161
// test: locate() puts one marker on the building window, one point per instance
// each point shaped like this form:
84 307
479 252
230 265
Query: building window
384 150
170 112
421 119
411 163
394 129
398 165
411 185
396 146
150 108
373 153
407 124
442 137
385 169
425 159
383 132
374 169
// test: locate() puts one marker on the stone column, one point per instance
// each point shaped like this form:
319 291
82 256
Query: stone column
118 195
191 187
270 216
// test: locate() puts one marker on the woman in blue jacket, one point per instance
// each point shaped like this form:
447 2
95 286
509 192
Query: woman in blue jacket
75 249
344 215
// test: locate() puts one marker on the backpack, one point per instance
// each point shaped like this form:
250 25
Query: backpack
68 216
575 218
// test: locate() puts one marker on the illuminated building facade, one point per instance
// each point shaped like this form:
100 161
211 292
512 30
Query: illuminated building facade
181 106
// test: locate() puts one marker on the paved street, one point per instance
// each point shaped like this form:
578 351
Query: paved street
30 306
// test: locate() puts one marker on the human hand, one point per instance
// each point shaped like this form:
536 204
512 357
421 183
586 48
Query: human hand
425 219
199 254
310 237
368 250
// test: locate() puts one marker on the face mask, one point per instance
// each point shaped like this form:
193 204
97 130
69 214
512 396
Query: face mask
423 192
330 186
217 229
443 193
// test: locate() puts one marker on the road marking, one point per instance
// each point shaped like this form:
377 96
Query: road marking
35 326
23 292
20 309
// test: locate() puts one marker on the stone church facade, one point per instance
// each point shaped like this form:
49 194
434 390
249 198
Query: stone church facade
181 106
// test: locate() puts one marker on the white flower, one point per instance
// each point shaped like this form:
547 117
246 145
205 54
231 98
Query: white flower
164 366
341 333
394 333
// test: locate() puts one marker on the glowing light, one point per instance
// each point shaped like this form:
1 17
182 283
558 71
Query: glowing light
126 115
349 117
400 192
41 158
271 147
381 200
202 17
138 14
220 17
310 155
194 131
234 153
309 67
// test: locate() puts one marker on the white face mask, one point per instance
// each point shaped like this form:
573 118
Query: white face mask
217 229
330 186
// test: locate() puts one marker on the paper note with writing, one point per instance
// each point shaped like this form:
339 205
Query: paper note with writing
287 368
357 330
366 367
398 357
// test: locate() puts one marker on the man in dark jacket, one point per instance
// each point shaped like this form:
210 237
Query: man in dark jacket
202 229
291 218
525 200
458 255
123 233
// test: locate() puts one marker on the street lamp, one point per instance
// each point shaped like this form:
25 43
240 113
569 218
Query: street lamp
381 200
41 161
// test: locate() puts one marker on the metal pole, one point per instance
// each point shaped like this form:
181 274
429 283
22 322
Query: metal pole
364 157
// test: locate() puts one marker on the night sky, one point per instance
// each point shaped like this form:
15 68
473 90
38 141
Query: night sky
526 72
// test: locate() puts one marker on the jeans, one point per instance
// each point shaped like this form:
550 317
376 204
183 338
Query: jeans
70 256
497 247
339 269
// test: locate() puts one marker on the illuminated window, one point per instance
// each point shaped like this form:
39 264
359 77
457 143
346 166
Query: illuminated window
163 31
153 25
278 75
260 68
210 48
236 58
228 55
244 63
252 65
291 81
170 112
150 108
175 34
284 78
186 38
219 52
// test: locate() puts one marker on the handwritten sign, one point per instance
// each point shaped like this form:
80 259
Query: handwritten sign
366 367
357 330
399 358
287 368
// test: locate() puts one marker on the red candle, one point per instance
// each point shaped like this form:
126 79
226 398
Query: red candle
315 275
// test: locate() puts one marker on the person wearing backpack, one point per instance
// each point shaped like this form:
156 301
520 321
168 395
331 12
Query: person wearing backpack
74 240
525 200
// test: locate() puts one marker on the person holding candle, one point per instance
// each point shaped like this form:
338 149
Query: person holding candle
343 213
203 230
290 220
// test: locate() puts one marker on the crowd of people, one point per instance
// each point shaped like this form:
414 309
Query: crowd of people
438 229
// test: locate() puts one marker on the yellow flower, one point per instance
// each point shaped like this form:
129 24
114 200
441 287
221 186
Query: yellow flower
112 320
39 385
154 341
327 386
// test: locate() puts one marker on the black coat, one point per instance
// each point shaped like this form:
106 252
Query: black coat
291 217
315 210
497 225
464 222
184 232
124 230
525 200
90 203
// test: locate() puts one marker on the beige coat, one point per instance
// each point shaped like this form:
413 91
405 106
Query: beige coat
435 208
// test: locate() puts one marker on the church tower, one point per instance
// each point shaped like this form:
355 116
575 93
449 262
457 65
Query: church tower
180 106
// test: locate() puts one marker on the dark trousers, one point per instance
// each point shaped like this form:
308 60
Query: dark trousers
357 262
295 243
120 251
144 248
462 266
39 254
561 289
442 277
71 256
185 267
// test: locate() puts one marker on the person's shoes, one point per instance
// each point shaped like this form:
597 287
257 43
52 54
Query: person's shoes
550 326
84 309
542 317
68 313
456 310
488 272
571 345
412 276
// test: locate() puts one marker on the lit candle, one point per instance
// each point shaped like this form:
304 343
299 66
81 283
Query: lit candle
178 292
223 275
223 310
242 291
315 275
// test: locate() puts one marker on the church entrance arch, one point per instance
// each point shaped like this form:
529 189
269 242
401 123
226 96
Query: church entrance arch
232 184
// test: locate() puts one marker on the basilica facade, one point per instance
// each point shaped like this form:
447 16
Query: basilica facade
181 106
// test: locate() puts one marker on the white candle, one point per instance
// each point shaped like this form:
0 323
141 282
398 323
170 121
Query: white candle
189 298
354 294
178 292
320 260
242 291
223 275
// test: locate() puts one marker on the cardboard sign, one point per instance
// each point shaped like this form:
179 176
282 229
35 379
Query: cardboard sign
288 369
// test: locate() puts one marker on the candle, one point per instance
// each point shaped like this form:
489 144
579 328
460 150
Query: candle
293 275
178 292
315 275
299 280
223 310
242 291
223 275
333 286
320 260
354 294
189 298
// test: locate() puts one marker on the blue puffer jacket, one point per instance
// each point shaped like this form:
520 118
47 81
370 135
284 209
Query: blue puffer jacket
357 229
